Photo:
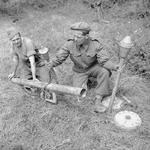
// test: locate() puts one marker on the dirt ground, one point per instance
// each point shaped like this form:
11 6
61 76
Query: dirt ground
28 123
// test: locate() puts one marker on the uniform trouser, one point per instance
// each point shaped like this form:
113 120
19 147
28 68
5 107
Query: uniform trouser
42 73
102 75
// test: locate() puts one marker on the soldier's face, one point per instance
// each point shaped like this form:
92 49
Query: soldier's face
79 38
16 40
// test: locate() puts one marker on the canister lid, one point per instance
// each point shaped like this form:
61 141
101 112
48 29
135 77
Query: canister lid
43 50
127 120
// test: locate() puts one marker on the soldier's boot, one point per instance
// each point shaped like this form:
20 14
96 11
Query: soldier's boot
99 107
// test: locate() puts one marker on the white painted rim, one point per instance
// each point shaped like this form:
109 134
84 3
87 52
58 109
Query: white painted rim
43 50
127 120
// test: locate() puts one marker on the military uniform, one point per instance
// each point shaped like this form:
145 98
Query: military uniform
90 60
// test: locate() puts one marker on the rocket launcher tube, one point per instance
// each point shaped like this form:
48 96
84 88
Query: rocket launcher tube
57 88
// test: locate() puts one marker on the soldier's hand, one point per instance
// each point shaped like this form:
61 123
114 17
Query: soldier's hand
42 63
12 75
46 63
49 65
119 68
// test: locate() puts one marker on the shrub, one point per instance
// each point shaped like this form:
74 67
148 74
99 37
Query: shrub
139 61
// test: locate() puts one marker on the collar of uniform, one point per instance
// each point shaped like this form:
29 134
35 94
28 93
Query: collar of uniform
81 48
86 46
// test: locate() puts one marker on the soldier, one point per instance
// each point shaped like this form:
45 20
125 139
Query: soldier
90 60
25 57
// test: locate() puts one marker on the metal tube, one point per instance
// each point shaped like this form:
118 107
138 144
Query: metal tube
52 87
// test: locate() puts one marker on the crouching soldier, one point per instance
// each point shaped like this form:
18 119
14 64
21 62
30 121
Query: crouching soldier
90 60
26 57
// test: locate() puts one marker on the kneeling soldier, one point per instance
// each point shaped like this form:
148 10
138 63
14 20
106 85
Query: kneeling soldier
25 57
90 60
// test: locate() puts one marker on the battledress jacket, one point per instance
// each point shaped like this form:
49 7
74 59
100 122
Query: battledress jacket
83 57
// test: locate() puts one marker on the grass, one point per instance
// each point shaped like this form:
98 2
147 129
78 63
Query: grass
39 125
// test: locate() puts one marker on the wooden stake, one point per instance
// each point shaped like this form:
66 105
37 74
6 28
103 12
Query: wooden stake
121 66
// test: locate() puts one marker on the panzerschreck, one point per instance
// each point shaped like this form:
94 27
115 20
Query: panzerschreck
52 87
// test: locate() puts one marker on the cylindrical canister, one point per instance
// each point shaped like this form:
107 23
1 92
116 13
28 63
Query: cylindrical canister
43 53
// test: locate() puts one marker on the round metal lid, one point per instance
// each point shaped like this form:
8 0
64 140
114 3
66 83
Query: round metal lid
127 120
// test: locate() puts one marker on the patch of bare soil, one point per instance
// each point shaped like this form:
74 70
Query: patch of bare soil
29 123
